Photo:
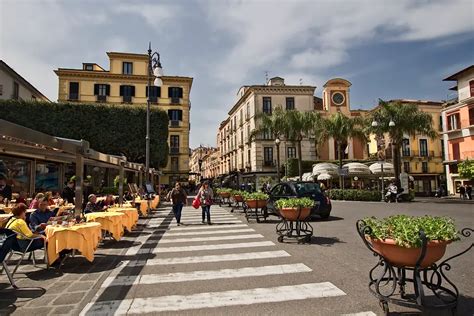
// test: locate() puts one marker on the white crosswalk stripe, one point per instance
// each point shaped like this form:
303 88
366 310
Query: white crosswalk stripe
228 242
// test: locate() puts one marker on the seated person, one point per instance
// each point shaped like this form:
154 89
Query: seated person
92 205
108 202
18 224
40 216
35 202
50 198
21 198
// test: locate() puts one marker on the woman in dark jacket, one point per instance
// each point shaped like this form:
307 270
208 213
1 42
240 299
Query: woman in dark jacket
179 199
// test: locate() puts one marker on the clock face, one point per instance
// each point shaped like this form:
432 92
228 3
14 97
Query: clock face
338 98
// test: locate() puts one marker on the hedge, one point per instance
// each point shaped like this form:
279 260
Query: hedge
354 195
112 129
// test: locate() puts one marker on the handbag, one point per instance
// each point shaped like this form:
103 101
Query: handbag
196 202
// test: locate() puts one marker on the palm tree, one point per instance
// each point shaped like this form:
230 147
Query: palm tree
398 120
316 130
341 128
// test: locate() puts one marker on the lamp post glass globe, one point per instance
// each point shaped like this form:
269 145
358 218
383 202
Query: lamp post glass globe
277 141
391 123
375 124
158 82
158 71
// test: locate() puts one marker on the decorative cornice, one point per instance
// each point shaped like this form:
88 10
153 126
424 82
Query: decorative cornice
61 72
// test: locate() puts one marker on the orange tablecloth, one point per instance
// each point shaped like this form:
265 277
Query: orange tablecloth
142 206
131 216
84 237
110 221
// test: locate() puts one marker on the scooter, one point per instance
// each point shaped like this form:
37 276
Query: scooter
394 197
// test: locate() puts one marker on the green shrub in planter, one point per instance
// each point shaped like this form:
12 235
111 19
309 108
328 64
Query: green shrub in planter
405 229
238 192
295 203
223 190
256 196
354 195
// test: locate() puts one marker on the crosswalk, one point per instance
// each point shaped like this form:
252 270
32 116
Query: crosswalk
220 254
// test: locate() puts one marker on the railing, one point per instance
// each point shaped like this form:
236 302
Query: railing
174 123
127 99
101 98
73 96
154 100
174 150
175 101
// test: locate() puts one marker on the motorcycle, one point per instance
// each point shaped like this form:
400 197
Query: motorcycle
394 197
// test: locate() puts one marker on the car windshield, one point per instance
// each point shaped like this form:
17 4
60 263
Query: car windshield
307 188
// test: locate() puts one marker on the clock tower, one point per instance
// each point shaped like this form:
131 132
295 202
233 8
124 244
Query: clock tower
336 96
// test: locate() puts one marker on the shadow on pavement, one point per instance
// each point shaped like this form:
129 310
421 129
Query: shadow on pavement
9 296
325 241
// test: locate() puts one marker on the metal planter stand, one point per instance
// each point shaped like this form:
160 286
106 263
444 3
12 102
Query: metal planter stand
238 204
224 200
256 213
386 278
300 230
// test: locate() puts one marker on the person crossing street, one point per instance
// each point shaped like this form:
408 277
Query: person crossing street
206 195
179 199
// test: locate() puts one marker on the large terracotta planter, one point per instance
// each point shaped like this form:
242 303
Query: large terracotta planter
225 195
256 203
293 213
407 257
238 198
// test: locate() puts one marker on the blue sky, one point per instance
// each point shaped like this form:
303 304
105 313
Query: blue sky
387 49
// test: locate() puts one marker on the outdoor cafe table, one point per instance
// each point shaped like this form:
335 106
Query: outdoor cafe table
6 209
110 221
131 216
84 237
143 206
4 219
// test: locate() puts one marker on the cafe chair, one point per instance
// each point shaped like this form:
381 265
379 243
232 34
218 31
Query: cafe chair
7 239
17 250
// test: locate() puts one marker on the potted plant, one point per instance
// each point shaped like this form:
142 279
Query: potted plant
397 238
238 195
295 209
224 192
256 199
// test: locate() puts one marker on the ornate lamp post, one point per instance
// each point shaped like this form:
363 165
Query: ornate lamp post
200 163
277 144
154 70
382 157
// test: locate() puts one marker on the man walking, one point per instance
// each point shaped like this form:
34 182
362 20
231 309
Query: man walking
462 192
179 199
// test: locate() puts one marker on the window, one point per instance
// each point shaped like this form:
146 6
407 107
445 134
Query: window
174 164
248 132
101 89
155 93
268 156
291 152
456 155
267 135
423 148
241 118
175 93
89 67
175 115
16 91
471 115
47 176
127 68
453 121
127 92
248 111
471 87
174 141
74 90
406 147
290 103
406 166
424 167
267 105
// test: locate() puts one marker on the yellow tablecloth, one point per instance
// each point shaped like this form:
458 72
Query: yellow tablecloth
131 216
142 206
110 221
84 237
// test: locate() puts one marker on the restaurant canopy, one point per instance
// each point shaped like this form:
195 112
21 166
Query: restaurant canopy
308 176
324 176
325 167
20 141
357 169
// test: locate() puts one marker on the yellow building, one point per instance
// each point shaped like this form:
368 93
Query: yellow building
126 83
422 157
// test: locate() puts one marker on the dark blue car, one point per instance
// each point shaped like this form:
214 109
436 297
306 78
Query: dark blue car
286 190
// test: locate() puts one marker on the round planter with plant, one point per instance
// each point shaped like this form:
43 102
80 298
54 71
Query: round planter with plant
224 192
295 209
238 196
399 240
256 199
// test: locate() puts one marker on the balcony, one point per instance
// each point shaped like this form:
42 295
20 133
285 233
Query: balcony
268 164
175 101
127 99
101 98
73 96
174 123
174 150
153 100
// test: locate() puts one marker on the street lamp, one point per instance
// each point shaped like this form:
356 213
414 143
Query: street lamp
200 163
277 144
390 124
155 70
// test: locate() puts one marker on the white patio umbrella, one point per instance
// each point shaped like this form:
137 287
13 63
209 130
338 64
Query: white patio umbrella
324 176
357 169
308 176
376 168
325 167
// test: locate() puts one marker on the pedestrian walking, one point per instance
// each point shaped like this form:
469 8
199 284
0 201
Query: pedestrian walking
469 192
206 195
178 199
462 192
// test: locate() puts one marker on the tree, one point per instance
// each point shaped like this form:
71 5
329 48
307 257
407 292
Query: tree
341 128
316 130
466 169
408 120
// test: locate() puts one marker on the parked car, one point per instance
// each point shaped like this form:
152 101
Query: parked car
285 190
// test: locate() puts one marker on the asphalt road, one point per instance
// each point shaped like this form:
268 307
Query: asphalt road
235 268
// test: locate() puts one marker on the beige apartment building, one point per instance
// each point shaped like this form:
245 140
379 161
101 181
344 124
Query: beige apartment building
258 158
197 162
126 82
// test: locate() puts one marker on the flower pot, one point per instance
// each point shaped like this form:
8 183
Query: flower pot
238 198
294 213
225 195
256 203
400 256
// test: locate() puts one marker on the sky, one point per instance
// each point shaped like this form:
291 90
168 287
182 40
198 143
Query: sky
386 49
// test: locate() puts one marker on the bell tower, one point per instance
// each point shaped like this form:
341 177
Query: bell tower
336 96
